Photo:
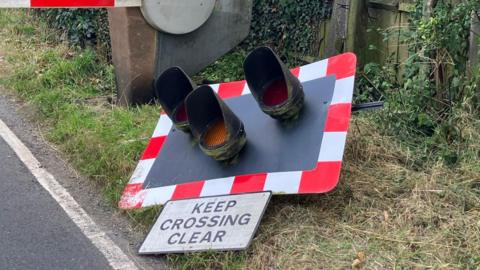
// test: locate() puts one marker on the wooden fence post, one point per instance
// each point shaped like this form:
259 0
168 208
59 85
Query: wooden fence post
337 32
474 41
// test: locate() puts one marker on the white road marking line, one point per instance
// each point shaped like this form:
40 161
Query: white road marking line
114 255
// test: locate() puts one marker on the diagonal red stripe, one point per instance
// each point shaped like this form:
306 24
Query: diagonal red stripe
188 190
153 148
338 117
248 183
343 65
322 179
72 3
131 197
295 71
231 89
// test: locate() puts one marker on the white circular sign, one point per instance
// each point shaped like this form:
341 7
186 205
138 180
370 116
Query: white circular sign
177 16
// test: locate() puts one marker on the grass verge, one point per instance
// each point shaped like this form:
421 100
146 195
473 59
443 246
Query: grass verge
389 211
70 89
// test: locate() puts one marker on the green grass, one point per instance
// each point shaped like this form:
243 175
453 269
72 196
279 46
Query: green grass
398 202
226 69
71 90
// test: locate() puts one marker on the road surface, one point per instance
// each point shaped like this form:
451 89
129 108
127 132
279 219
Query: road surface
35 232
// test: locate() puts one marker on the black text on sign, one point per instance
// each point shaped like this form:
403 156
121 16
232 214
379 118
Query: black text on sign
211 223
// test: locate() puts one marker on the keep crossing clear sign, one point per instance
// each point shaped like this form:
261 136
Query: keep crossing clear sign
210 223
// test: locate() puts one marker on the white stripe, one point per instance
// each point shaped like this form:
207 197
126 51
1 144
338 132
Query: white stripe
332 147
215 87
283 182
141 171
158 195
217 187
15 3
313 71
114 255
163 127
343 90
246 89
128 3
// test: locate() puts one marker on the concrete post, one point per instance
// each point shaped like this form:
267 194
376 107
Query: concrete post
134 52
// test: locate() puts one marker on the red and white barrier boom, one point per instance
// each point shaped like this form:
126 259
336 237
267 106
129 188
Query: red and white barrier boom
68 3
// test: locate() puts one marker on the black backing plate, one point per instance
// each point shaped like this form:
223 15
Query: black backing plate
271 146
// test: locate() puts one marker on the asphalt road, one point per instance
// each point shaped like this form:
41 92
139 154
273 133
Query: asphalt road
35 232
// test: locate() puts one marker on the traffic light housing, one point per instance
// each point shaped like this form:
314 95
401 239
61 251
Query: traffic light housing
171 89
277 91
220 133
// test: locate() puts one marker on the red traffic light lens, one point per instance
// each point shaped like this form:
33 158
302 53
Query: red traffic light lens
276 93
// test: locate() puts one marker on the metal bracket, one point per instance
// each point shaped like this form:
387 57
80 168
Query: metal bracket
368 105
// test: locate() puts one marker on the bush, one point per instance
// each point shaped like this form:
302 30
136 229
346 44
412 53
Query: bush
436 90
290 27
81 27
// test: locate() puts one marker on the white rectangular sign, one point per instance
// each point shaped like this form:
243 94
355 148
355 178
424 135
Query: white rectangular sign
210 223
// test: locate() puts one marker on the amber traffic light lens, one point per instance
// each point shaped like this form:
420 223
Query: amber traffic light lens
220 132
216 134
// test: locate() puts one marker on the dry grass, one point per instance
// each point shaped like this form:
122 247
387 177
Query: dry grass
397 216
386 213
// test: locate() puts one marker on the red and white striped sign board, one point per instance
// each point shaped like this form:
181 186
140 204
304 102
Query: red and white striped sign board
319 180
68 3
